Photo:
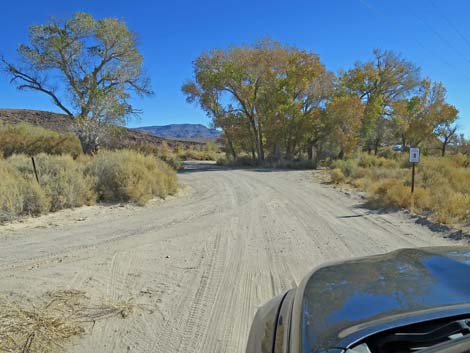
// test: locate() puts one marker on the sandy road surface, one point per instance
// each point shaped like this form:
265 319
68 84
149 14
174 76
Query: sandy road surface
201 263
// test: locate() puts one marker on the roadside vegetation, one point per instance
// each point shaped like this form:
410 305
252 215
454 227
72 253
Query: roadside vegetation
174 157
209 151
442 184
28 139
65 182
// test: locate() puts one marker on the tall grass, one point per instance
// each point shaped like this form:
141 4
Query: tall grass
442 184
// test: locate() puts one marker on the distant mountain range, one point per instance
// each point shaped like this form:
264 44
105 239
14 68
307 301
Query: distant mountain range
182 131
63 123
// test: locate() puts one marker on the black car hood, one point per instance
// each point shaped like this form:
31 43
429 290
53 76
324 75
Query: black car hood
341 299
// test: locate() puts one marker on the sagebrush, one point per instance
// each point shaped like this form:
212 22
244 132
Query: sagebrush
28 139
65 182
129 176
442 184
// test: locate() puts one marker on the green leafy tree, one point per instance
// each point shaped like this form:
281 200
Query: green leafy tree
266 93
380 82
446 133
88 67
345 114
418 118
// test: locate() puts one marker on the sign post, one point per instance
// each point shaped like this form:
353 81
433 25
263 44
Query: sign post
414 158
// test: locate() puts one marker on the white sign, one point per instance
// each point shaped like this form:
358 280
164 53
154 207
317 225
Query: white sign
414 155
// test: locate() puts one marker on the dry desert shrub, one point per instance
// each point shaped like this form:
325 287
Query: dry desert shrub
126 175
337 176
19 196
27 139
442 184
65 182
60 177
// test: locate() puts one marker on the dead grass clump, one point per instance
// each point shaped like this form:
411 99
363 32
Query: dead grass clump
47 324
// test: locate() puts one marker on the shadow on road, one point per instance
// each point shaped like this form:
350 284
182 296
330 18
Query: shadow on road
436 227
208 166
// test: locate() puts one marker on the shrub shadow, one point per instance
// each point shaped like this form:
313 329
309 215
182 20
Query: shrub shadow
446 231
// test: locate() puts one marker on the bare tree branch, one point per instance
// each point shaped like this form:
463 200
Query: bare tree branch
33 84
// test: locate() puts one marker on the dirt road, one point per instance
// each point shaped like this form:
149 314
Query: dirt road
198 265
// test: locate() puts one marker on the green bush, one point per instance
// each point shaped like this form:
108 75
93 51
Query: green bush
28 139
349 167
129 176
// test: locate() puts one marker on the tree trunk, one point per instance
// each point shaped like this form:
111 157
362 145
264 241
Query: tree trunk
310 151
230 146
376 146
294 149
276 153
255 139
444 145
260 141
341 154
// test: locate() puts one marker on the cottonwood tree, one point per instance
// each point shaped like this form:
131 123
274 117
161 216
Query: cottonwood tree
88 67
379 83
268 91
226 118
416 119
345 114
446 133
304 87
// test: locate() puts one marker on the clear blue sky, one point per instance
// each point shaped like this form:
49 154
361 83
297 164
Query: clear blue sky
435 34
